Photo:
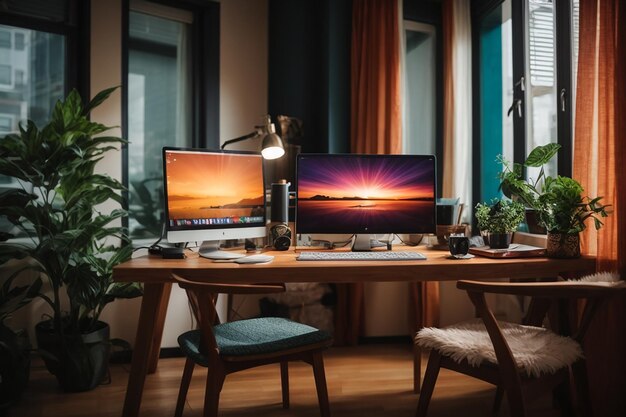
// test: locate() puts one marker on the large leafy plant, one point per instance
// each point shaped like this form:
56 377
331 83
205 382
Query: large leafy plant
70 240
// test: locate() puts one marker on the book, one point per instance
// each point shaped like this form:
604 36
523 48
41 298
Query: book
515 250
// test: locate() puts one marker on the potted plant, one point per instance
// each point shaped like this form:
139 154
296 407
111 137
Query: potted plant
563 211
14 344
515 186
70 242
499 220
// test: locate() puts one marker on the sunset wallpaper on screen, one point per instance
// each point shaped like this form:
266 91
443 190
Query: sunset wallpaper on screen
213 185
351 193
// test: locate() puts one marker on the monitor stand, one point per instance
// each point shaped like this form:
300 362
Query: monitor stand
361 243
210 249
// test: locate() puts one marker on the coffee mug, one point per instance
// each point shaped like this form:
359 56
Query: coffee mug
458 244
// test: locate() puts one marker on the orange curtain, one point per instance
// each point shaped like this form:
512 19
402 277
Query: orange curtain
600 166
376 116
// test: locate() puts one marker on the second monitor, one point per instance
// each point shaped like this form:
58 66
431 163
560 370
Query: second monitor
365 194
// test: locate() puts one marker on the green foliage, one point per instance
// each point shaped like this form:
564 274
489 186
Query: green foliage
13 296
558 201
564 210
512 181
71 242
501 216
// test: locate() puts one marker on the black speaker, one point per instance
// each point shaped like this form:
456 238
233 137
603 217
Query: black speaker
280 236
279 232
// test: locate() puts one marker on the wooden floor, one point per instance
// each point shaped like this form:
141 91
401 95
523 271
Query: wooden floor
370 380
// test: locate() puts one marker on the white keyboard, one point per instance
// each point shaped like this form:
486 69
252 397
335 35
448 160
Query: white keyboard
361 256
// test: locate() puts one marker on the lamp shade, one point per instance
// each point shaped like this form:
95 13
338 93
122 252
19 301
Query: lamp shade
272 146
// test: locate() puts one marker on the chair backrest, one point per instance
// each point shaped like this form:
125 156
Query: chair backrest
203 297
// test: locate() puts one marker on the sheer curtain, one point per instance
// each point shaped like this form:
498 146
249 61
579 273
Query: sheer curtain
457 115
600 166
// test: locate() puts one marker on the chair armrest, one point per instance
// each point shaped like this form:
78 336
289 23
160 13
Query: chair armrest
564 289
221 288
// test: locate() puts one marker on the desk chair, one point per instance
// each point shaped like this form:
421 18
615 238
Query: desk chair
238 345
522 360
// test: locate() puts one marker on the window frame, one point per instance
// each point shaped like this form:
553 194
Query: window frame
205 41
565 119
76 29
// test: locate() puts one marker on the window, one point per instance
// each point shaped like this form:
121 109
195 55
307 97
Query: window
6 124
159 69
526 56
40 72
19 41
5 74
19 77
5 39
167 102
420 95
38 66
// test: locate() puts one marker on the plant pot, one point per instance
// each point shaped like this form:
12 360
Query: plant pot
80 363
499 240
563 245
14 366
485 235
532 221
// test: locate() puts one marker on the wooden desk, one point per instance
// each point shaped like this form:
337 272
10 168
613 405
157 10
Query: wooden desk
155 273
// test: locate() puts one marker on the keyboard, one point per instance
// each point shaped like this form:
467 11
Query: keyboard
361 256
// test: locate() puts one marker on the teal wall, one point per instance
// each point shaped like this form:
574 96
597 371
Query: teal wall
490 111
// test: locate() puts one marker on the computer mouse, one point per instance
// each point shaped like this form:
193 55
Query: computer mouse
254 259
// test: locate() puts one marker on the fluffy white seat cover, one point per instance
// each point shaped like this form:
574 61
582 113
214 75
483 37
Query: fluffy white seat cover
536 350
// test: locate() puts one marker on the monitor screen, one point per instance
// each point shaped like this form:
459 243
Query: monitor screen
366 194
213 195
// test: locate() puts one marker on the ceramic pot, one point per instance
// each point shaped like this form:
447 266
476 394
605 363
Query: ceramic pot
79 363
563 245
532 221
14 366
500 240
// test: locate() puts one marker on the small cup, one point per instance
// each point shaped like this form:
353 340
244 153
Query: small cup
458 244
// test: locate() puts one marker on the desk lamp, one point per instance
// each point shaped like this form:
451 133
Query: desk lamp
272 145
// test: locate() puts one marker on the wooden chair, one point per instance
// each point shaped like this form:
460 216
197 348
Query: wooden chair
521 360
238 345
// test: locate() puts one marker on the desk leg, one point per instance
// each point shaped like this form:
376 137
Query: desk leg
416 323
158 323
147 343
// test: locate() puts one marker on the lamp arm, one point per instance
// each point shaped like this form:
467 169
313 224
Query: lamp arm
240 138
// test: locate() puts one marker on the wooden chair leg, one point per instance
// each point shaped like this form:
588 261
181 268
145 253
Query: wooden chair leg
284 380
417 368
214 384
184 387
320 383
497 401
430 377
515 398
564 398
579 371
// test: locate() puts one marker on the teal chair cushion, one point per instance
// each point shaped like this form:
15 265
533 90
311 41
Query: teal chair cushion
253 337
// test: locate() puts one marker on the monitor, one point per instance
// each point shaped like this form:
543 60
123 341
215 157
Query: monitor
212 196
365 194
